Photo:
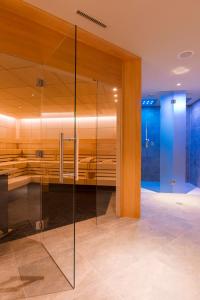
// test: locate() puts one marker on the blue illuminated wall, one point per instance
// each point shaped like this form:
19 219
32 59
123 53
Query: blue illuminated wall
173 142
193 144
188 135
151 155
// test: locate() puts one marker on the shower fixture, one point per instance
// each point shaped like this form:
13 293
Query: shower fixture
147 140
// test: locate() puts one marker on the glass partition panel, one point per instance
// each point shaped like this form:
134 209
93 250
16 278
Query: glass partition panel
108 99
59 153
87 157
21 209
38 150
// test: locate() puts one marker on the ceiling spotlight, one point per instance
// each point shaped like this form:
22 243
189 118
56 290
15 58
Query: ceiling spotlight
116 100
115 95
179 84
180 70
33 95
185 54
114 89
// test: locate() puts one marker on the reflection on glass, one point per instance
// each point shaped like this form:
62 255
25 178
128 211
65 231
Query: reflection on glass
108 101
37 211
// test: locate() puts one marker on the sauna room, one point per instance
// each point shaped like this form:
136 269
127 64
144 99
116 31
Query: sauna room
58 131
37 104
64 158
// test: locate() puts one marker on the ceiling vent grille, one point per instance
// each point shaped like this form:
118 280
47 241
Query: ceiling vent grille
91 19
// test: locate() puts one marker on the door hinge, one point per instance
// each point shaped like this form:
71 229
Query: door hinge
40 225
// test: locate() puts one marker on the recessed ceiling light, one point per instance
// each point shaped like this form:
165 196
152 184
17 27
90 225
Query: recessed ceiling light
114 89
33 95
179 84
185 54
116 100
180 70
115 95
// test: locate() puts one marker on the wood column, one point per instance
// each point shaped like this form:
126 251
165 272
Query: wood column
130 152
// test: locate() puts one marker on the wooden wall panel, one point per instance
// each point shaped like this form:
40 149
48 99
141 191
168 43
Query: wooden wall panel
26 39
98 65
34 129
7 129
41 44
130 166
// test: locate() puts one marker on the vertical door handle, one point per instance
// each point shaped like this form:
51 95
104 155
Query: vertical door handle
61 157
62 139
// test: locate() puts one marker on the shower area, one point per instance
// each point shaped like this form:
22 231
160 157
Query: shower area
170 143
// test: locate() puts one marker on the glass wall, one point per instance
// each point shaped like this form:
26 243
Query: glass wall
38 169
108 101
59 163
58 150
87 140
96 111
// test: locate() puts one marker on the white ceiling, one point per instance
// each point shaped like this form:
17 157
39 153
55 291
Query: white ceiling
156 30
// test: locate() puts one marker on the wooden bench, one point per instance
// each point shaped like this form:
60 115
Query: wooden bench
27 166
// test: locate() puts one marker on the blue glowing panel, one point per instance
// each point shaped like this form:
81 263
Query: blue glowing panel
166 142
173 142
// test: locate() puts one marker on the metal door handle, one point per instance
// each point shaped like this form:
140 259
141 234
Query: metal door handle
61 159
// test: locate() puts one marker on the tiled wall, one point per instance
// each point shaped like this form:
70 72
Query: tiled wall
188 144
193 144
151 155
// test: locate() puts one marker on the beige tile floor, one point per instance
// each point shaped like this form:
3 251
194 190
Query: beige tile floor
155 258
